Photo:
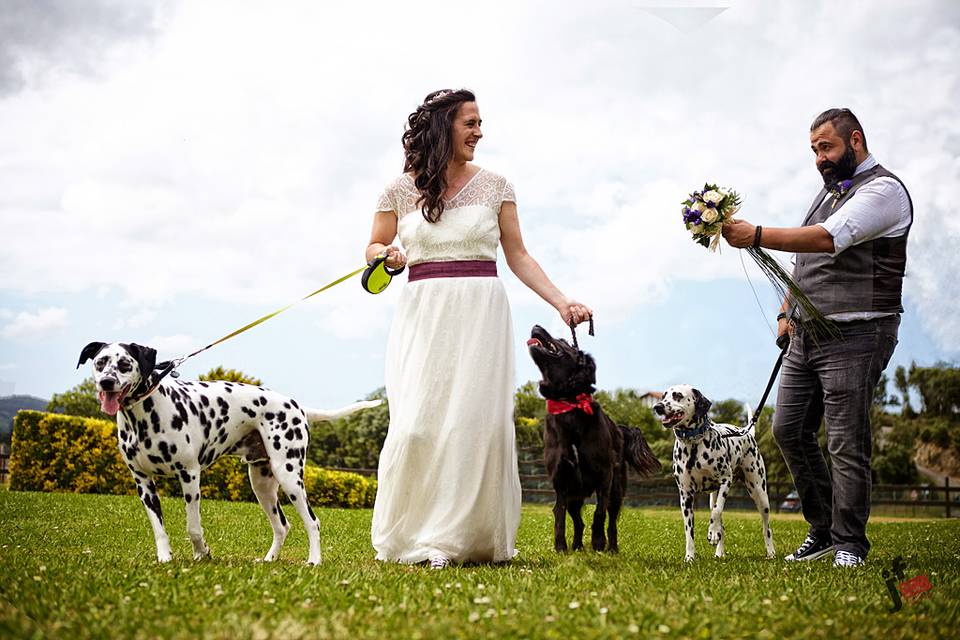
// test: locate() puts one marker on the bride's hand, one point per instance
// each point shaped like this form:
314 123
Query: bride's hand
395 257
571 309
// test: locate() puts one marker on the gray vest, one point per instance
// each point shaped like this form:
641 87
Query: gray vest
865 277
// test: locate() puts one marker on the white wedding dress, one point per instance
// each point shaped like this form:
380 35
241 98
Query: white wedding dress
448 482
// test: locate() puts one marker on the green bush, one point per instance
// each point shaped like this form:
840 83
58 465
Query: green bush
55 452
941 436
894 465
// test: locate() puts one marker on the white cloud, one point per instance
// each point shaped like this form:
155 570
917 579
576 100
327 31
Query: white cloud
138 319
242 172
173 345
34 325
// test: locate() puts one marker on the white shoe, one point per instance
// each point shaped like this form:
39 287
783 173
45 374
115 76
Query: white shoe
847 559
439 562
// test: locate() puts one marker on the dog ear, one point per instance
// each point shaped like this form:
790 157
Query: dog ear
585 377
145 356
89 351
701 405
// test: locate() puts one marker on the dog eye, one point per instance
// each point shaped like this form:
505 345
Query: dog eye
124 366
100 364
677 396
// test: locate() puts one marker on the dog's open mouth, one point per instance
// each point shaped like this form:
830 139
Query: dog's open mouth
672 419
547 346
110 400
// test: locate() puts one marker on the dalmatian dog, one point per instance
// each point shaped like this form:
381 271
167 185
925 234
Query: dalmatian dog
708 456
178 428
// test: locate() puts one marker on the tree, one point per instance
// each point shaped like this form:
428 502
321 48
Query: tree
354 441
894 465
626 406
230 375
939 388
729 412
81 400
903 386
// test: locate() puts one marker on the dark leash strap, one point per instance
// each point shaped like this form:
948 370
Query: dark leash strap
573 332
783 342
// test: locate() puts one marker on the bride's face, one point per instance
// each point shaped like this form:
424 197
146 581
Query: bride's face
466 131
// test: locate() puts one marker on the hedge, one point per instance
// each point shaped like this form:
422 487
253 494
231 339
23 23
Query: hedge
55 452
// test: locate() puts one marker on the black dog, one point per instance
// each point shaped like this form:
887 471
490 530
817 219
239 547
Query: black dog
584 450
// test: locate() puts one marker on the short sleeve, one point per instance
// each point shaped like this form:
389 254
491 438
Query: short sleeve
385 201
508 195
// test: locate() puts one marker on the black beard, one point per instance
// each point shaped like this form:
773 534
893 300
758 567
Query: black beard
834 172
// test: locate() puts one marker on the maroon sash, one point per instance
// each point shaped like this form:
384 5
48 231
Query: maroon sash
453 269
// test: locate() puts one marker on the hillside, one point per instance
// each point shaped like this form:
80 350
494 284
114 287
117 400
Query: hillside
9 405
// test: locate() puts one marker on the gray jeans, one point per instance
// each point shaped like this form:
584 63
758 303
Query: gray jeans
833 379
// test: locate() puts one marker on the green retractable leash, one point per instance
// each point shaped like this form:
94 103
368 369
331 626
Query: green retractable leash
378 275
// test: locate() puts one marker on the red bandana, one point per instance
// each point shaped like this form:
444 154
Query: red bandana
583 402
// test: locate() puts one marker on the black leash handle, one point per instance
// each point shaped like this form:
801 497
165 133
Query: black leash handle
573 331
783 342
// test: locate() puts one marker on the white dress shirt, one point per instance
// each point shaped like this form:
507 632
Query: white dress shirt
878 209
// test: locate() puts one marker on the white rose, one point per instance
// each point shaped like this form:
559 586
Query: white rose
710 216
713 196
698 206
697 229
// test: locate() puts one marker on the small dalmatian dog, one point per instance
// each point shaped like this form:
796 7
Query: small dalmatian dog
174 428
708 456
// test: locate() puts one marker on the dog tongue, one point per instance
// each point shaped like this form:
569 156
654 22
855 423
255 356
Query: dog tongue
532 341
110 402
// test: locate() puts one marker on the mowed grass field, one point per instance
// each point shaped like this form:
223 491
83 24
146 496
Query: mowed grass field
83 566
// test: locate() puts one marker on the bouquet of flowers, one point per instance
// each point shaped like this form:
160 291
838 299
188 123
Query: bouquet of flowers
704 214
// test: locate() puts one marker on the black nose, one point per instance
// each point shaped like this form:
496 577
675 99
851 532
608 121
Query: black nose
658 409
107 384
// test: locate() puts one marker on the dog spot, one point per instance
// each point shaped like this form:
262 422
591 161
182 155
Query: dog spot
268 415
286 405
188 498
281 417
289 467
249 412
204 401
296 421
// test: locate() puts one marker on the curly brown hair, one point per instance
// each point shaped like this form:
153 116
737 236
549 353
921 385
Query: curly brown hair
428 146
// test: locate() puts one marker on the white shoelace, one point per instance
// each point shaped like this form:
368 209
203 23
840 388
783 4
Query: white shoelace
809 542
439 562
846 558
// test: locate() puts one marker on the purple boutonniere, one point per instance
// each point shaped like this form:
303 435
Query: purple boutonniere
839 189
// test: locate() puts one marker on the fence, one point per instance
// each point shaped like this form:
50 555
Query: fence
663 491
4 460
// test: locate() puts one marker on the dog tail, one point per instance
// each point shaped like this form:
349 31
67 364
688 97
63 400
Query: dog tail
637 452
751 427
325 415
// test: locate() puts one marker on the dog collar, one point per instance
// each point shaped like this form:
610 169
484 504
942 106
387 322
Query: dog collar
584 402
686 434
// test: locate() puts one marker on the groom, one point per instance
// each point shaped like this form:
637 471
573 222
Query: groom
851 252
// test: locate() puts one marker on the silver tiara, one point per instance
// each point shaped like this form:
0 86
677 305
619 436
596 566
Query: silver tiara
441 94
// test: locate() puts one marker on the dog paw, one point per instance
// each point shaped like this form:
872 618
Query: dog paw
164 557
688 559
714 535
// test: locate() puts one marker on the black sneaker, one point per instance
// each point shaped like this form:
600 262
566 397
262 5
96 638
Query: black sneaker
811 549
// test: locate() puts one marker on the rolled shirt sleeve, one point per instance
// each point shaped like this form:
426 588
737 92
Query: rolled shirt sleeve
878 209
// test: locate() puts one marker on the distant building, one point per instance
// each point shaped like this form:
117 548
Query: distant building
650 398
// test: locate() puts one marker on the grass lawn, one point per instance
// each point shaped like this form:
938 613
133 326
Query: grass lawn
82 566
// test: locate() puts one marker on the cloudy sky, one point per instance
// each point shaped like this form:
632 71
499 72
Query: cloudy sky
172 170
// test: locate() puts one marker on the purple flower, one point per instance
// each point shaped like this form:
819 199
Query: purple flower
691 215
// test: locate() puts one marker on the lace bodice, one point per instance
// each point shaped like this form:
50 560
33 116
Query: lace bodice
469 228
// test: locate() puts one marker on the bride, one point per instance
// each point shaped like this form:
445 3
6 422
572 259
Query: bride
448 485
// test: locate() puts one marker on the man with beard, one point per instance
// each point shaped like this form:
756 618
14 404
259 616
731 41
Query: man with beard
850 259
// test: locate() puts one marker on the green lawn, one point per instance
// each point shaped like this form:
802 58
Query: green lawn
83 566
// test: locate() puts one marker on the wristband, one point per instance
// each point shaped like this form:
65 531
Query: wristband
756 237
